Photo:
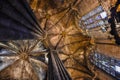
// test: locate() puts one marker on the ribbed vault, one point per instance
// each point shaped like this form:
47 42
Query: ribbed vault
55 35
71 42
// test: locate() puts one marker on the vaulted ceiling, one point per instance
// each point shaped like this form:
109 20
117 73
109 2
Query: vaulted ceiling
60 20
56 29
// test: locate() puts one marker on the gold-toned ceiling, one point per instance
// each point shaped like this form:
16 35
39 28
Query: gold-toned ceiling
60 20
60 33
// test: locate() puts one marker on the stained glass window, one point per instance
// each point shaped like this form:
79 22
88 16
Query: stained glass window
95 18
108 64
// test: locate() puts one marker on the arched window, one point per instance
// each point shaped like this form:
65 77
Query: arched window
95 18
108 64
